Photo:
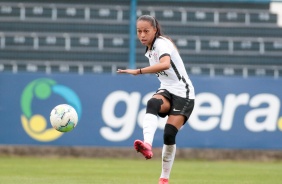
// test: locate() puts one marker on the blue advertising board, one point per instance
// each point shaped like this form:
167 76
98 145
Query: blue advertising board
230 112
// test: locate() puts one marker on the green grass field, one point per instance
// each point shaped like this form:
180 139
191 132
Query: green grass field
27 170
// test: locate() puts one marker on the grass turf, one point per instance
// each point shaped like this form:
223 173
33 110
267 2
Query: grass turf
27 170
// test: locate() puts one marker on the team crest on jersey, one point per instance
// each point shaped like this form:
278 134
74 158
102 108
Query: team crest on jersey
155 56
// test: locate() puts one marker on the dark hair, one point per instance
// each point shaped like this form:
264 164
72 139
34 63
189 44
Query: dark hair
153 22
156 25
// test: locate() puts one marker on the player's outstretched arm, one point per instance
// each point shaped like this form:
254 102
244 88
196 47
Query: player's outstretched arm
129 71
163 65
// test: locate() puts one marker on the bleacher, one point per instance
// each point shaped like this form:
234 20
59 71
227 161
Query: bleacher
83 38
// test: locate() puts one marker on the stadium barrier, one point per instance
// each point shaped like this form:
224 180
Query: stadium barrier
230 113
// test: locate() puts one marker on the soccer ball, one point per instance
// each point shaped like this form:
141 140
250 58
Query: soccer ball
63 118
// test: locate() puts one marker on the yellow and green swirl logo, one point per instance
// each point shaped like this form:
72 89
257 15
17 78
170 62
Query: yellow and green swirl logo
35 125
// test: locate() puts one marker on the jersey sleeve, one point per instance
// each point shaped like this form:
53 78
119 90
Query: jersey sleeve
163 48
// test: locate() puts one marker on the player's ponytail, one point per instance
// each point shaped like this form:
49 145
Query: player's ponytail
159 30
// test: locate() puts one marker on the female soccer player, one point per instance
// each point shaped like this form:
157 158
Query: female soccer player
174 98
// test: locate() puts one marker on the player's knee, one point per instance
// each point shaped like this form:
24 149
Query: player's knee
154 106
170 132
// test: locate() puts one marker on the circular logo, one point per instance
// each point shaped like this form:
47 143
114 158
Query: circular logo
35 125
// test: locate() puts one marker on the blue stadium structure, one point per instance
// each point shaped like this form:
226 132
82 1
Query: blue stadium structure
213 38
